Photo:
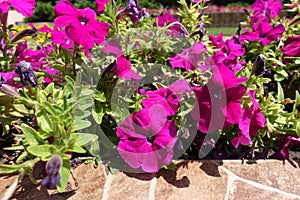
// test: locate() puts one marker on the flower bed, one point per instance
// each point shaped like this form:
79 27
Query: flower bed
135 92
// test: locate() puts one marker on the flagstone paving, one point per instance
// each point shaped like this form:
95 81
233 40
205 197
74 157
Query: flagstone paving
199 180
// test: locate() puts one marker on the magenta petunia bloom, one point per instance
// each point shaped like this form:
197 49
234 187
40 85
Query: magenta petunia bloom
228 54
190 58
219 100
114 47
60 37
264 33
147 139
9 78
124 69
166 19
269 8
100 4
217 41
25 7
80 25
252 120
292 46
167 97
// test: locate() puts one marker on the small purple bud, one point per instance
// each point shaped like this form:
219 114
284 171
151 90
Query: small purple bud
238 32
133 11
52 169
24 70
259 65
2 80
247 12
201 30
27 32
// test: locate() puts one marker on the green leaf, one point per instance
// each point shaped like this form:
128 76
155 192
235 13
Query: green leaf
298 128
7 169
100 96
50 88
81 124
98 115
22 157
43 119
280 94
76 149
64 173
32 137
41 150
85 138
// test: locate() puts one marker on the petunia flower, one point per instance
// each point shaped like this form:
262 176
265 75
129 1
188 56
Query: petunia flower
229 54
53 166
25 7
122 67
24 70
292 46
284 143
100 4
80 25
167 97
147 139
9 78
251 121
219 100
263 32
190 58
60 37
266 9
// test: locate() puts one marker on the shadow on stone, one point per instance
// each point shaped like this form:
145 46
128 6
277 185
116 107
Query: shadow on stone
27 190
211 168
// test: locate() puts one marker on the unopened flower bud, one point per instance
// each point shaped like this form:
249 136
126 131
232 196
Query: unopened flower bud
2 80
52 169
259 65
24 70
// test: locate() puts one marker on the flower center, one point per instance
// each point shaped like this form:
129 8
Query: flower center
83 20
151 139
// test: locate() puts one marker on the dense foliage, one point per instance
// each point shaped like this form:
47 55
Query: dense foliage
136 91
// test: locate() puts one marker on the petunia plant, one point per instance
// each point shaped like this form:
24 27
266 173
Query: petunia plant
135 89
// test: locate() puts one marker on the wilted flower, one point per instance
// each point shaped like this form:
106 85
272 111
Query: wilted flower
133 11
147 139
53 166
25 7
81 25
24 70
252 120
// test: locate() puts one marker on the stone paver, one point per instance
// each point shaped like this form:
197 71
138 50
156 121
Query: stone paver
271 173
211 180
